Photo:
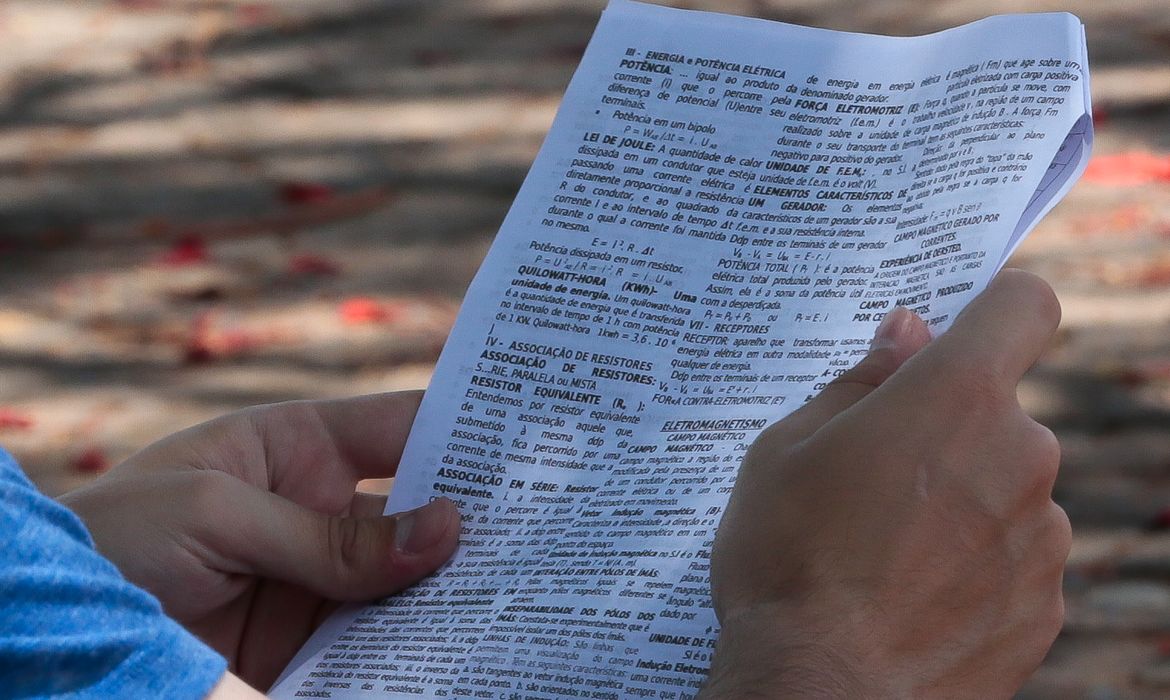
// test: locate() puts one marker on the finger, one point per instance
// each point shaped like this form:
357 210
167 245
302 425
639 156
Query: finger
280 618
339 557
369 432
1001 333
900 335
363 436
367 505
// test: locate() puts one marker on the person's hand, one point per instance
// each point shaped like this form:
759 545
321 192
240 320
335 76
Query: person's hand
248 527
896 537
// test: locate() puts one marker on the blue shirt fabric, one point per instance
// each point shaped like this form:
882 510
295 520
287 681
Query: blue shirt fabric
70 625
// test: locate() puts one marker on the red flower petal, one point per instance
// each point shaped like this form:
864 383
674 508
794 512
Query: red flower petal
234 342
1101 115
1128 169
188 250
11 419
297 193
197 350
92 461
358 310
197 353
311 264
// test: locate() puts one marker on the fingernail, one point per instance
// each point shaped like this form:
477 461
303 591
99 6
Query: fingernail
892 326
422 528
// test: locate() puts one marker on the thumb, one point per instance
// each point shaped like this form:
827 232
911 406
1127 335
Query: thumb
898 337
338 557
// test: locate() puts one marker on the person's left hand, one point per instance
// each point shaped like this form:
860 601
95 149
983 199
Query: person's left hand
248 527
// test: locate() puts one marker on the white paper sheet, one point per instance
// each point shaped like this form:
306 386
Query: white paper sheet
722 212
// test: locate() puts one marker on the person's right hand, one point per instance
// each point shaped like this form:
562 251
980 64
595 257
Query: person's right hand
896 536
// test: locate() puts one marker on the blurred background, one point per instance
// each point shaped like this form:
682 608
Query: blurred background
211 204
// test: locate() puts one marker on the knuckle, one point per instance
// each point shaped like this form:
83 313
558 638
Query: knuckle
1047 446
1047 305
772 433
205 491
1049 544
1050 309
1035 292
1061 533
771 443
208 489
1051 619
344 546
870 373
1040 454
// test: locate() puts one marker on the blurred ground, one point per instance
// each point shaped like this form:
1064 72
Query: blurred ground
211 204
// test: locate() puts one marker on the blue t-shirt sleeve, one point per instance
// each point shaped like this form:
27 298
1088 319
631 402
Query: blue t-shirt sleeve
70 624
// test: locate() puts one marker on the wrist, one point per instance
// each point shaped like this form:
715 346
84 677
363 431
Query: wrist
769 656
